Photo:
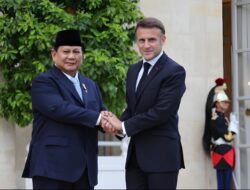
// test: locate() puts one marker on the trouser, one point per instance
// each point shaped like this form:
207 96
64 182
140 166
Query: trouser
224 178
138 179
48 183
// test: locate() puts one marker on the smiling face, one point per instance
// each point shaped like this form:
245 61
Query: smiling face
150 42
68 58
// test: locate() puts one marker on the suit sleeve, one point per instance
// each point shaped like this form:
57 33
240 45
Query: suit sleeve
47 100
103 107
98 91
126 113
165 105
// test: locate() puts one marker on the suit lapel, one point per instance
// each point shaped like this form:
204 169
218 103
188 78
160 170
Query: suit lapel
132 80
64 81
156 68
83 87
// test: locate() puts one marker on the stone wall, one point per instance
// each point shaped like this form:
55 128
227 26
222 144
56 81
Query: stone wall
13 142
7 155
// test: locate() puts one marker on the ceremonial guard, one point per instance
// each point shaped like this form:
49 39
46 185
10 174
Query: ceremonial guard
219 134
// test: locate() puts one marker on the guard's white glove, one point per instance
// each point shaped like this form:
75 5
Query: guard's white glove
234 123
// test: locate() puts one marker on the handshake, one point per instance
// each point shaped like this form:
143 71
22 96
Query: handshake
110 123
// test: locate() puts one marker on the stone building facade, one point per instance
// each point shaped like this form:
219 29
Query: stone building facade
194 30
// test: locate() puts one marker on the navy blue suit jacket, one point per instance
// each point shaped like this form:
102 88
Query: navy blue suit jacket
151 117
64 136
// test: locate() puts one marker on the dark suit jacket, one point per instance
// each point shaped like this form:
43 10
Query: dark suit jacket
64 136
151 119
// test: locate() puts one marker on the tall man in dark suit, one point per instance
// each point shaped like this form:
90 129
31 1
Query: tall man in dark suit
154 89
67 110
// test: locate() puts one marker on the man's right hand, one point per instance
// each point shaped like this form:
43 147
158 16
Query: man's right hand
105 124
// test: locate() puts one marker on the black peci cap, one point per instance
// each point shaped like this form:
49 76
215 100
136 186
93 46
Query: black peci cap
69 37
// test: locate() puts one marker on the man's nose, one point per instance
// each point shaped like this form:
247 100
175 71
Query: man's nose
71 55
146 44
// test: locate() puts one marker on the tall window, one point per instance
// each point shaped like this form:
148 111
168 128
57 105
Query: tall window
241 88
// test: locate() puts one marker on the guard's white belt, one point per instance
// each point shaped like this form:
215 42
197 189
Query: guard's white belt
220 141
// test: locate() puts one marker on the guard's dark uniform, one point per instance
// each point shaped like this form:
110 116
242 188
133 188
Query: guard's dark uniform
223 154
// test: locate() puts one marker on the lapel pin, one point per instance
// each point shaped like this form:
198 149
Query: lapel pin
84 87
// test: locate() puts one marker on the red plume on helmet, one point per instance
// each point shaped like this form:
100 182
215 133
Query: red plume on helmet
220 81
220 85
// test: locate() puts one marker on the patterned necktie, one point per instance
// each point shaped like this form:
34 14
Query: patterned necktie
144 76
76 83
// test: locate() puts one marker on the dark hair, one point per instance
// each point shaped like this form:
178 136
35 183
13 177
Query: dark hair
150 22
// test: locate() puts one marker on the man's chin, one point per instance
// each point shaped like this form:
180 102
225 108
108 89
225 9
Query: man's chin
147 58
72 68
148 55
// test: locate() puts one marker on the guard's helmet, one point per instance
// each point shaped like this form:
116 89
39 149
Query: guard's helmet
221 97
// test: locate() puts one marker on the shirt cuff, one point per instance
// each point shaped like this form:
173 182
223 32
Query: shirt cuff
123 129
99 119
122 133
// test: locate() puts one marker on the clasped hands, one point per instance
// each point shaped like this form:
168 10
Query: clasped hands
110 123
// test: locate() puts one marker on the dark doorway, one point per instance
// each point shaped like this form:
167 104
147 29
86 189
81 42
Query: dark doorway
227 45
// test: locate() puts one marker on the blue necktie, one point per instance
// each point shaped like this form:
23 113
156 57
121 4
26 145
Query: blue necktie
76 83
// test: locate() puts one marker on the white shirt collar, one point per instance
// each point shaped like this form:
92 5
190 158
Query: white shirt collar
70 77
154 60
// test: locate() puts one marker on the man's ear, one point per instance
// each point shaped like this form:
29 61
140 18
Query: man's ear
163 39
53 54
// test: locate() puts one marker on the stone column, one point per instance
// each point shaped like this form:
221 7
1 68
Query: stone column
22 140
7 155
